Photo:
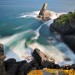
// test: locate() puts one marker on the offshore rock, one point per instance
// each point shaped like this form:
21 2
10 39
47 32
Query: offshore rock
44 14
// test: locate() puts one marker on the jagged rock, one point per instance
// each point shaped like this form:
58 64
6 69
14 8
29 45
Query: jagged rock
44 14
2 69
42 59
2 57
23 68
8 63
33 65
11 66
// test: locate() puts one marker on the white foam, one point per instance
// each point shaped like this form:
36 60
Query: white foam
15 46
27 15
34 14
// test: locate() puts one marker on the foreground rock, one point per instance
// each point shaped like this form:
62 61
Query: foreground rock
44 14
37 66
42 60
2 57
70 41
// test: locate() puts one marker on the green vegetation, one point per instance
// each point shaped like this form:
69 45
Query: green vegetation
65 19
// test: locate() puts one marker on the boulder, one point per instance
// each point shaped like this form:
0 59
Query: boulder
44 14
2 69
8 63
11 66
42 59
23 68
2 56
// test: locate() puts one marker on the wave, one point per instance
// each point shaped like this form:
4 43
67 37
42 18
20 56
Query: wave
34 14
21 45
14 46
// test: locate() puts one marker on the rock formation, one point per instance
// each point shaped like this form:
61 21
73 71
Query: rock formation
44 14
65 26
2 57
42 59
39 64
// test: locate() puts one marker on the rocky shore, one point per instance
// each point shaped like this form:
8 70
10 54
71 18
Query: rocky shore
65 26
39 64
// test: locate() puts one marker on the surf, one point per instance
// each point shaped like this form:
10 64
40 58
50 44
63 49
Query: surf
20 45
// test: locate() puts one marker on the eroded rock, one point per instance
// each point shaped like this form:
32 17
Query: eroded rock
44 14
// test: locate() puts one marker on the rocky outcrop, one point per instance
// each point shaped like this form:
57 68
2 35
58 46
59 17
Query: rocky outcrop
40 62
65 25
70 41
2 57
42 59
44 14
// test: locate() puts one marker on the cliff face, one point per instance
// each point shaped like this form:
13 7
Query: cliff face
65 25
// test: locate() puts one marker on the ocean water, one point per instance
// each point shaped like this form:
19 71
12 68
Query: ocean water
21 32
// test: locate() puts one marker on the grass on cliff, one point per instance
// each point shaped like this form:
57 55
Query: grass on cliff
65 18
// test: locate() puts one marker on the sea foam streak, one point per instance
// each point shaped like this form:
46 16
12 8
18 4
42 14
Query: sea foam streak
15 45
34 14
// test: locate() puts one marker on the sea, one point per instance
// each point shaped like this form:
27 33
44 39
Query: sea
21 31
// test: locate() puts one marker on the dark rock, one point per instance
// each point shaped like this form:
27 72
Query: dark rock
8 63
64 29
57 66
11 66
73 66
33 65
44 15
2 56
2 69
67 59
64 24
23 68
67 67
70 41
41 58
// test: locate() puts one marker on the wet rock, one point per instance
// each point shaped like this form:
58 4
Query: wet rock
42 59
70 41
73 66
33 65
64 24
2 69
67 59
23 68
2 57
44 14
9 63
11 66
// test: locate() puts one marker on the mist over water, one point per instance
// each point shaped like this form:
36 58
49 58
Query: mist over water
21 32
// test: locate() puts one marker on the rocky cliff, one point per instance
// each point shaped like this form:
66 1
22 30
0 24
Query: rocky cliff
65 25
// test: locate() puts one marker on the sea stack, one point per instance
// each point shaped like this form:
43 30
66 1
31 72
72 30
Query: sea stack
44 14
